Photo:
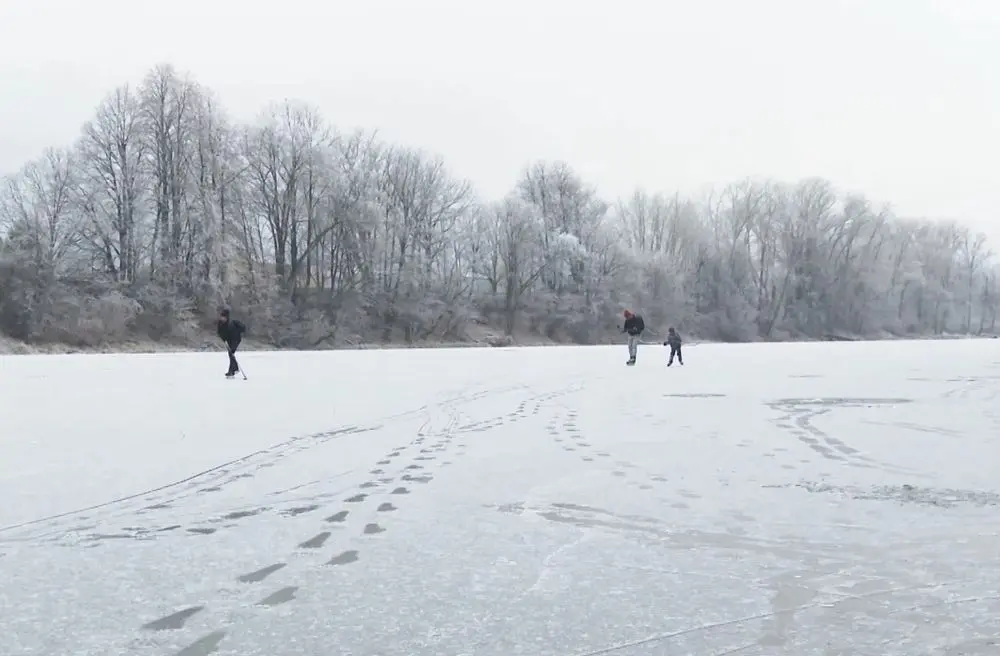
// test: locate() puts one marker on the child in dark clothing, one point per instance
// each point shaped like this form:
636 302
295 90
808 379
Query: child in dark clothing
674 342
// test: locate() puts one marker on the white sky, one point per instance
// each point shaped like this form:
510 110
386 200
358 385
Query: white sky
899 99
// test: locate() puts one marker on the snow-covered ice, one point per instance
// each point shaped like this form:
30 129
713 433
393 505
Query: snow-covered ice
764 500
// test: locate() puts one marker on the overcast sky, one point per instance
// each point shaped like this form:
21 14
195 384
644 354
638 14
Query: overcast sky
899 99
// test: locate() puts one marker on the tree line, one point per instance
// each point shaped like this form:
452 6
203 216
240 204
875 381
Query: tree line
164 209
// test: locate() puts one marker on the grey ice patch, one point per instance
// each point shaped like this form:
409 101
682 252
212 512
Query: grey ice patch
920 428
203 646
840 402
292 512
981 646
261 574
695 396
924 496
281 596
344 558
316 541
174 620
507 508
240 514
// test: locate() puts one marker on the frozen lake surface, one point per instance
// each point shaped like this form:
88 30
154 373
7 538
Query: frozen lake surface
764 500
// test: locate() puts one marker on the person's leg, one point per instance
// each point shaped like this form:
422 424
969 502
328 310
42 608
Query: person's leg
633 346
680 358
673 352
233 364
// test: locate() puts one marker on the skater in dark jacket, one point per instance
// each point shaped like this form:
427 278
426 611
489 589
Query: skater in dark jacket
231 332
674 342
634 326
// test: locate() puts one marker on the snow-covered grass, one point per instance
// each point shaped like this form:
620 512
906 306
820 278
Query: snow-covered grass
765 499
209 343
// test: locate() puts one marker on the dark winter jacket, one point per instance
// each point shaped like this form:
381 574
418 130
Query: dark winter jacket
231 331
673 340
634 325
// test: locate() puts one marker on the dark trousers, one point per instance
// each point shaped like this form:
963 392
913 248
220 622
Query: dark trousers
234 366
675 350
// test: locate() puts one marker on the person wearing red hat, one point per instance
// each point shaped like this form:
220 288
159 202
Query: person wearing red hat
634 326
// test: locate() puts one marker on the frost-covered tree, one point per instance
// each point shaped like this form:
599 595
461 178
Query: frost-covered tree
165 208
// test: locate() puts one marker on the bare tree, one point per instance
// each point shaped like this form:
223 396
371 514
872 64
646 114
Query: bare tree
280 153
218 172
37 209
322 237
972 253
517 230
169 107
112 184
